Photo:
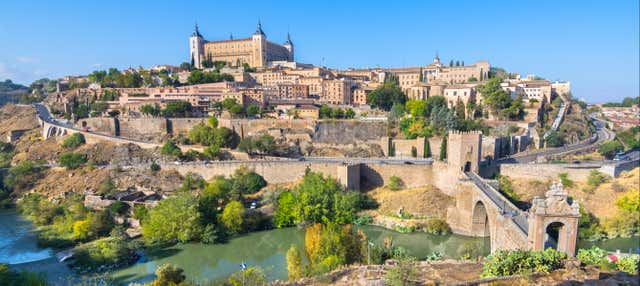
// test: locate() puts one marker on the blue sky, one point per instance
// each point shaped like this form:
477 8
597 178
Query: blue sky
593 44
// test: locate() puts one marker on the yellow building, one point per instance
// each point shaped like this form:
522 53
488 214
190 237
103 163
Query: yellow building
256 51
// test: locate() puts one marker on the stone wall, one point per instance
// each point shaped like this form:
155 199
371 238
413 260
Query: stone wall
276 172
547 171
348 131
146 129
183 125
245 127
103 125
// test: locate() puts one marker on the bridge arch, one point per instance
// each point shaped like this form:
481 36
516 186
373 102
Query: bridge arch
480 220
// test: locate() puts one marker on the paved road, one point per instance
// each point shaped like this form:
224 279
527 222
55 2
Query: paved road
602 134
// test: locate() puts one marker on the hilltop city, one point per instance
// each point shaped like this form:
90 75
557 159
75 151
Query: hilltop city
243 166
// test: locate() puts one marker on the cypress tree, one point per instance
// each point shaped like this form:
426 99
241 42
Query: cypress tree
427 149
443 148
462 63
451 63
457 63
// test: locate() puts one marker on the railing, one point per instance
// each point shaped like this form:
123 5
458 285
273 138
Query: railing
507 209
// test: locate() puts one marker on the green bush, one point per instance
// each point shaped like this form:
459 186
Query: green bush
511 262
437 227
564 179
363 220
628 264
592 256
170 149
609 148
72 160
395 183
74 141
596 178
154 167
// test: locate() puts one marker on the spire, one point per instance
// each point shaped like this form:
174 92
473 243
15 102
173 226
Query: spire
288 41
196 33
259 29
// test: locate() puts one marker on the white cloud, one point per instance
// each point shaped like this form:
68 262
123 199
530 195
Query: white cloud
19 73
27 60
97 65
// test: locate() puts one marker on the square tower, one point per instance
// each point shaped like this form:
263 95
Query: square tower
464 150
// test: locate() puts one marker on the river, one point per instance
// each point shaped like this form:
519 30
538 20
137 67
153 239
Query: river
203 262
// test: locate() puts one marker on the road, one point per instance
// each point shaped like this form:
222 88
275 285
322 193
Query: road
602 134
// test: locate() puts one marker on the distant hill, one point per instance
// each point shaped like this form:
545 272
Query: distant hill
11 92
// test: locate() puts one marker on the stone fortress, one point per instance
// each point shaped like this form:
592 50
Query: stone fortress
255 51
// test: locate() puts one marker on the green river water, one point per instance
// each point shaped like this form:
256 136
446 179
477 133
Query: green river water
203 262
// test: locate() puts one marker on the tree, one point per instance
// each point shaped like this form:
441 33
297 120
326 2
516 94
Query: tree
175 219
213 122
417 108
246 181
427 148
554 139
212 151
170 149
451 63
73 141
232 216
443 148
154 167
150 109
252 276
285 213
609 148
385 96
253 110
177 108
349 113
294 264
168 275
72 160
434 102
457 63
460 110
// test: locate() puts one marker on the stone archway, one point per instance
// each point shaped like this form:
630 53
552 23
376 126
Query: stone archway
480 220
555 235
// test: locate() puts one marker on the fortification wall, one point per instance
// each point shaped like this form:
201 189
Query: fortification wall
547 171
147 129
183 125
348 131
245 127
434 146
103 125
404 147
276 172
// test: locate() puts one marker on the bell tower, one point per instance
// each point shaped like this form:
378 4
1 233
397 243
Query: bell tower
196 48
288 44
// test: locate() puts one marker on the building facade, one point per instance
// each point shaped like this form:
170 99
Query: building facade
256 51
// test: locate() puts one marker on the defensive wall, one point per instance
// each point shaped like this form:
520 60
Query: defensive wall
350 175
574 171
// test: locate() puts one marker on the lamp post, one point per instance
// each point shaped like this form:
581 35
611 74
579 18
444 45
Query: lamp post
243 266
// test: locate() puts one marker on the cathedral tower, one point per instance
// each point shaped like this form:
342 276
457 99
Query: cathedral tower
196 48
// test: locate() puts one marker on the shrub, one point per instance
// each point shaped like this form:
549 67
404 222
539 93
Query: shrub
106 187
596 178
564 179
363 220
73 141
140 212
628 264
170 149
395 183
511 262
118 207
72 160
437 227
154 167
252 276
232 216
592 256
403 273
609 148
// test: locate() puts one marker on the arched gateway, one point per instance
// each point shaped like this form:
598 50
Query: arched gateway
553 221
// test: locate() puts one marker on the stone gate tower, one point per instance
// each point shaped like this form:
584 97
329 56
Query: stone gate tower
464 150
554 216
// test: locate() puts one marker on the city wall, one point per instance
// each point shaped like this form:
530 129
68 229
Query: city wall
547 171
354 176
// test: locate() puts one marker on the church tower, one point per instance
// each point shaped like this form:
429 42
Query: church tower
259 40
288 44
196 48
